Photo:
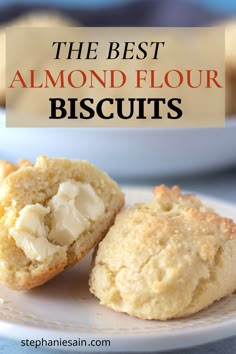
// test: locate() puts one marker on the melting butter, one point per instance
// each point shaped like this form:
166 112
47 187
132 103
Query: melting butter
72 209
30 233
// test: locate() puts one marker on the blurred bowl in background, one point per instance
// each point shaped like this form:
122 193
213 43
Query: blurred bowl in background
127 153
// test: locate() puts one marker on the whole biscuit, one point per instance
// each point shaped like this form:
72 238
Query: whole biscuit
167 259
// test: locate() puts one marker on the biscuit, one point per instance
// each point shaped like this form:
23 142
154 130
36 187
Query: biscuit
32 19
51 215
7 167
167 259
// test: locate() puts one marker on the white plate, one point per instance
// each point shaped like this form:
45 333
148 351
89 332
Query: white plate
163 152
64 308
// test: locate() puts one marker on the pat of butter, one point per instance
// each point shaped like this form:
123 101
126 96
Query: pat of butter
31 220
34 248
72 209
74 206
30 233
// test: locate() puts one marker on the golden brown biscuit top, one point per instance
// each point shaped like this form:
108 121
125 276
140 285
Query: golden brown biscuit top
172 224
165 259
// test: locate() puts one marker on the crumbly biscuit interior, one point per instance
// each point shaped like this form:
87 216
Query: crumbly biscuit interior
7 167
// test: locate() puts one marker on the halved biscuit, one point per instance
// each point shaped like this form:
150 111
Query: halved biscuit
52 214
167 259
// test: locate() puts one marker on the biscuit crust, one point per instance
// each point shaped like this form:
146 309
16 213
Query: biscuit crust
37 184
6 167
167 259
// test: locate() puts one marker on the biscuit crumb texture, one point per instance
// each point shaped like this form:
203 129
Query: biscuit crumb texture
51 215
167 259
6 167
